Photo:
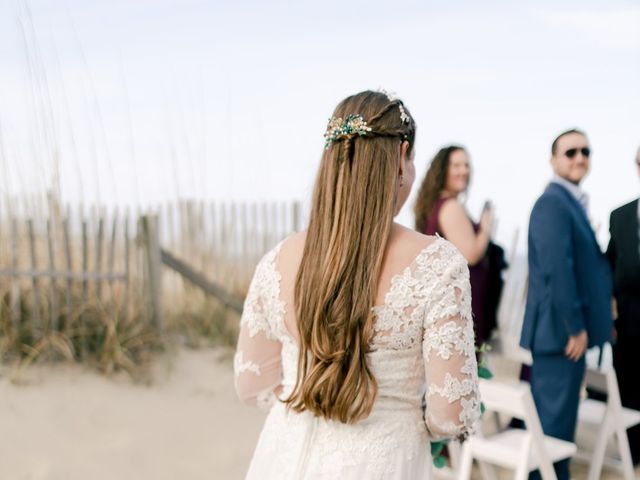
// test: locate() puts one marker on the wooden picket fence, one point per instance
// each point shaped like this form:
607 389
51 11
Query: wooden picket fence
74 271
132 266
225 241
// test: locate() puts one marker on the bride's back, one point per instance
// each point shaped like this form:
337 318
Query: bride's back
346 322
410 271
403 247
422 347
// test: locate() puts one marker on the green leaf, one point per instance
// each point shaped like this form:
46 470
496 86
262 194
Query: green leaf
436 447
439 462
484 372
482 408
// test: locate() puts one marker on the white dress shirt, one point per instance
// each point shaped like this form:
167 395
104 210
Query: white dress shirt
579 194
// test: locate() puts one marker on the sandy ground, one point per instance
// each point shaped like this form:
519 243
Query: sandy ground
68 423
65 422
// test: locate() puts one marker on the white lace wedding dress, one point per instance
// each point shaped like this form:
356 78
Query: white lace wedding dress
423 345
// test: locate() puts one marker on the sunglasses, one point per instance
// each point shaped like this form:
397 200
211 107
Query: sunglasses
573 151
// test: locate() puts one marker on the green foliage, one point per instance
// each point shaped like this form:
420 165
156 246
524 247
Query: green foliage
436 447
439 462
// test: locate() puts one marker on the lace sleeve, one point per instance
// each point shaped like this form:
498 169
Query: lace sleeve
257 363
452 398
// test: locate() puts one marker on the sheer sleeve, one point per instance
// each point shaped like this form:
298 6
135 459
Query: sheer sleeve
452 398
257 362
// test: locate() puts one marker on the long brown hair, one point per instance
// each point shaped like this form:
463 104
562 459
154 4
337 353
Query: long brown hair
433 184
351 216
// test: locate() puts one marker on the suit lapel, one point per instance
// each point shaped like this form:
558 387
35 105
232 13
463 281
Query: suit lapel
576 207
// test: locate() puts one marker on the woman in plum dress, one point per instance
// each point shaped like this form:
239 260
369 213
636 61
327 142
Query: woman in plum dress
438 210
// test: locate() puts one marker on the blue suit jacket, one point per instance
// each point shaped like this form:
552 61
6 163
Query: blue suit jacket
570 284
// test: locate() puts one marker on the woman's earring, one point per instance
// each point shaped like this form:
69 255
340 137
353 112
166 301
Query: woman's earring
401 180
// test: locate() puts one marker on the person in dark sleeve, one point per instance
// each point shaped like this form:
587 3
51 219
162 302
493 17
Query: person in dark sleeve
623 253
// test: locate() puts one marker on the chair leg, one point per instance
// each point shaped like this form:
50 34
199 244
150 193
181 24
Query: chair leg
487 471
454 454
599 449
466 461
547 472
522 472
522 464
625 453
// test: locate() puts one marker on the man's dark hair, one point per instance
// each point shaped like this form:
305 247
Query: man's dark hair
554 145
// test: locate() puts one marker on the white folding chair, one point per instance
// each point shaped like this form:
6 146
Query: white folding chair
452 471
521 450
599 423
511 312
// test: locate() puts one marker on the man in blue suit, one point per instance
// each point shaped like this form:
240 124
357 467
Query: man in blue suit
569 297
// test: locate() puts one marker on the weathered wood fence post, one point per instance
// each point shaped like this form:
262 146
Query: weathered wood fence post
149 237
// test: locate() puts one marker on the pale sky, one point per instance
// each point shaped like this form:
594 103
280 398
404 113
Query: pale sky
141 101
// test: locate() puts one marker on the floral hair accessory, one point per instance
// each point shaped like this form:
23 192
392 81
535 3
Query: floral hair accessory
354 124
404 118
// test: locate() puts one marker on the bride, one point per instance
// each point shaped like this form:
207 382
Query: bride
349 324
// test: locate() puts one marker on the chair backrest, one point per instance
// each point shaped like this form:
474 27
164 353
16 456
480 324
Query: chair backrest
511 309
597 380
600 358
516 400
504 398
514 297
601 376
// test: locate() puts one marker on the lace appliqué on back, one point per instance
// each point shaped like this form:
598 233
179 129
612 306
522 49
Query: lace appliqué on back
263 309
423 342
